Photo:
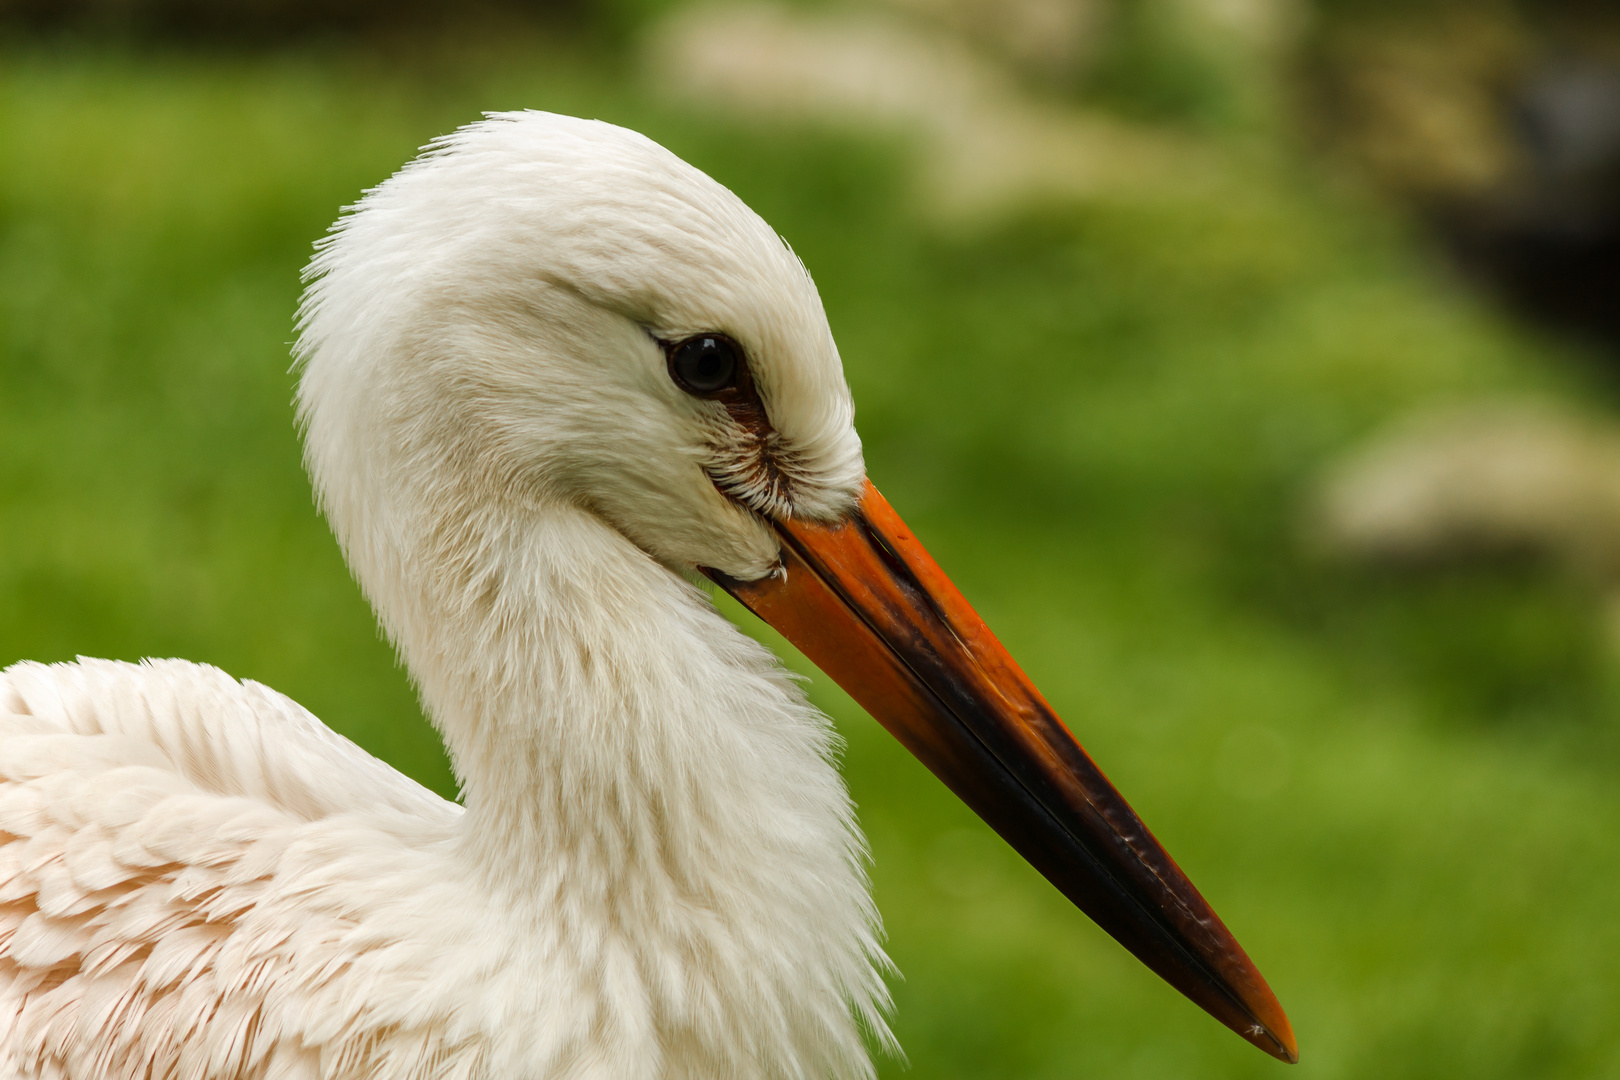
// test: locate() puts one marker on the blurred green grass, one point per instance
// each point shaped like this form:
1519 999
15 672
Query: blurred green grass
1399 791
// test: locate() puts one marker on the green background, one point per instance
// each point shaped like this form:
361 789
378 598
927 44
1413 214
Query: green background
1102 417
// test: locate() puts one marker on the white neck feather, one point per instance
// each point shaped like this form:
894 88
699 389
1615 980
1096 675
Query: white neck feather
635 768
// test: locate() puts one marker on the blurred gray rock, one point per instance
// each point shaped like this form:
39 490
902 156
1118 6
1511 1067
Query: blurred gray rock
1501 477
1052 39
984 144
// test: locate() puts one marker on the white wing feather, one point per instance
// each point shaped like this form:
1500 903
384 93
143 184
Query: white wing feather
169 904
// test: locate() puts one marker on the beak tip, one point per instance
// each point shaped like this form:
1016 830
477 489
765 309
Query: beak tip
1276 1040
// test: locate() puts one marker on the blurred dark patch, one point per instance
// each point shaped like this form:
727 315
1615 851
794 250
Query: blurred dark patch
1549 239
1500 124
256 22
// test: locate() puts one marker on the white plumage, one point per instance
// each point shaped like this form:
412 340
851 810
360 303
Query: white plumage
656 871
549 373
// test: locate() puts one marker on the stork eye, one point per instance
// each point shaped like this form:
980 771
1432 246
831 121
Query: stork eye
706 364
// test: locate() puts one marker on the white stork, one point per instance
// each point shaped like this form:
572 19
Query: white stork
550 373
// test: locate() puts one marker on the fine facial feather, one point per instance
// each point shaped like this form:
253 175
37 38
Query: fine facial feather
657 872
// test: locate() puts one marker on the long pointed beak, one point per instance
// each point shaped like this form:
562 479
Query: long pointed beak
868 605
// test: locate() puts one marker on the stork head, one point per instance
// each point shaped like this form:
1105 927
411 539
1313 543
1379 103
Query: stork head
544 308
560 307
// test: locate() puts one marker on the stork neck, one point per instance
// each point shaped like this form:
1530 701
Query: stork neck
599 713
651 805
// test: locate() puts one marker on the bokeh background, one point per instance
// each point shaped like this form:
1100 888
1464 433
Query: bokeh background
1251 364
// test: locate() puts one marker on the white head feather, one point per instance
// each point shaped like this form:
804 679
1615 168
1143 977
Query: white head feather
495 309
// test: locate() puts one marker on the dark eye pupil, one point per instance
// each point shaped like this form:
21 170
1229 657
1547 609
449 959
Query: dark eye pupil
704 365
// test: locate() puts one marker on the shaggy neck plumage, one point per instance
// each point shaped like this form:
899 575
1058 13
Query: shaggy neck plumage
588 711
640 776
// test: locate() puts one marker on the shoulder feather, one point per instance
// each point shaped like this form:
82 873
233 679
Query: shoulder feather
157 919
221 736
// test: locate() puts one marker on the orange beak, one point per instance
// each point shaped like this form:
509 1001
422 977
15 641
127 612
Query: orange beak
865 602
